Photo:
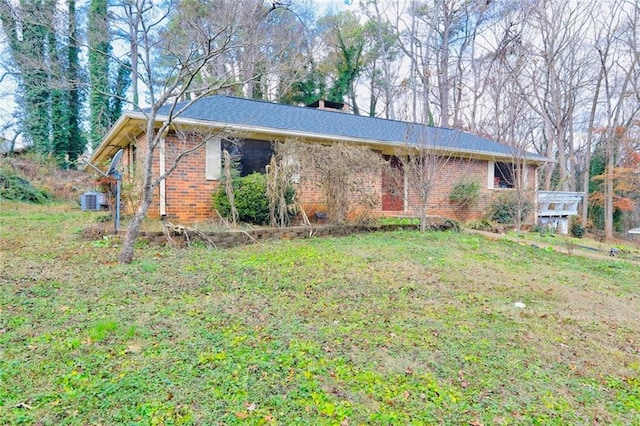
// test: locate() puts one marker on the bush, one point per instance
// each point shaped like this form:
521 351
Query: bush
465 194
251 200
505 208
15 188
577 230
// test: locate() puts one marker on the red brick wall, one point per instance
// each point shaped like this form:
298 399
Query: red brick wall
311 194
451 172
457 170
189 193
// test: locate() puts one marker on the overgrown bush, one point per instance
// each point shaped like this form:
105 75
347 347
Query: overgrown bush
506 207
342 172
577 230
250 194
465 194
16 188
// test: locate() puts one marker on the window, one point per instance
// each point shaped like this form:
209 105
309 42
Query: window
503 175
252 155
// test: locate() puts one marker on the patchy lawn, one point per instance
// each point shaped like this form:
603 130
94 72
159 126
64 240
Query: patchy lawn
387 328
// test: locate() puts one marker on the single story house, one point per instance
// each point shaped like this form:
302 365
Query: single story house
186 194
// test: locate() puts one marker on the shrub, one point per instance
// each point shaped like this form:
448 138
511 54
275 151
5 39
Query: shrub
577 230
15 188
250 199
465 194
505 208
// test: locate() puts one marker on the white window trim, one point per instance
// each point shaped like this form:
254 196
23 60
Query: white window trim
491 170
213 159
491 174
162 169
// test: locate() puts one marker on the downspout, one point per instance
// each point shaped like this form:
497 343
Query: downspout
162 171
536 178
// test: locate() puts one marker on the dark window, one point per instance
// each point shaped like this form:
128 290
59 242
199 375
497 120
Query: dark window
503 175
252 155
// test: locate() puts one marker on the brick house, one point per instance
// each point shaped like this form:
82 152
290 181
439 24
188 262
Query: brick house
186 194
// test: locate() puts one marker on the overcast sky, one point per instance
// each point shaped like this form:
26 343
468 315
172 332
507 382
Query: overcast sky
8 88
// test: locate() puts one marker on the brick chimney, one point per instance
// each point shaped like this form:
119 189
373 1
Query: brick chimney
330 106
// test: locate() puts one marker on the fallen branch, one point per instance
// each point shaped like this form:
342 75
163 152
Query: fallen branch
169 228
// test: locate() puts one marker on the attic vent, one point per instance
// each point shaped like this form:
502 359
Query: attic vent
92 201
329 106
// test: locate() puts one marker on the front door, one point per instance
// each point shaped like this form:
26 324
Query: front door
393 185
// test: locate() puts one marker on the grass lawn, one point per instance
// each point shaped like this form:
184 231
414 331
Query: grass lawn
386 328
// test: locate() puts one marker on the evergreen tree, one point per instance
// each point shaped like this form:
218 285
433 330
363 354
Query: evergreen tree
46 59
120 85
29 50
99 50
59 111
346 40
77 143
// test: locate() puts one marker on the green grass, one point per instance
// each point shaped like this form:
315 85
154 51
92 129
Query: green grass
386 328
627 249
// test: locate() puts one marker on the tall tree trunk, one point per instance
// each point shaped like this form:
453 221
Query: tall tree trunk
587 162
59 101
29 50
99 50
608 187
131 234
76 140
443 71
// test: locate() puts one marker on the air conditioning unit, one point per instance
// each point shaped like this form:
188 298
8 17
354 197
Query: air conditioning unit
93 201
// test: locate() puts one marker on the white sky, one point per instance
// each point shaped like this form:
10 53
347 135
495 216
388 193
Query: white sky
8 85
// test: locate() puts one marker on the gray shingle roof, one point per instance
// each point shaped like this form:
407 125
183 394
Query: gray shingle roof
310 121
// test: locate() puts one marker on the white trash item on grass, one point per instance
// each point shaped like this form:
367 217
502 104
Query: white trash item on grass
519 305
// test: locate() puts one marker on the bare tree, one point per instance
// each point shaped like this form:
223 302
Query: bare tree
184 52
621 75
423 164
382 64
552 38
435 36
596 88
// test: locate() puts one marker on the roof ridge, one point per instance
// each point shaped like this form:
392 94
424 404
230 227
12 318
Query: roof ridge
334 112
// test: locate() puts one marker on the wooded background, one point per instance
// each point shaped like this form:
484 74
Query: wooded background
555 77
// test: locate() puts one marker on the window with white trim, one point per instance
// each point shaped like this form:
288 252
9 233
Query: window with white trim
251 156
500 175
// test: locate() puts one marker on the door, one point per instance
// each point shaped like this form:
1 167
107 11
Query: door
393 185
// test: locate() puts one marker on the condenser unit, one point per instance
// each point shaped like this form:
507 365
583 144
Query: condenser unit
92 201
